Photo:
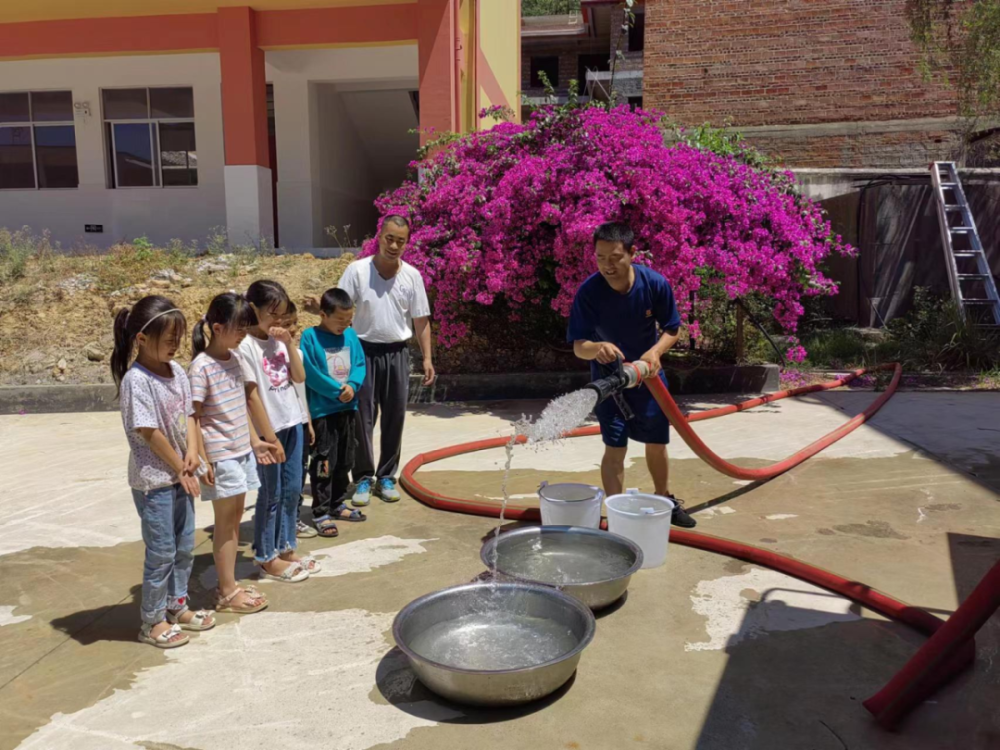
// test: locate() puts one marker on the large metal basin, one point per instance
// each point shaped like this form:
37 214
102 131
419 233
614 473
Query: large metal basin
592 565
494 644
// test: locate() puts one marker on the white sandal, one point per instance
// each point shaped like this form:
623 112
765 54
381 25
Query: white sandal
167 639
311 564
202 620
294 573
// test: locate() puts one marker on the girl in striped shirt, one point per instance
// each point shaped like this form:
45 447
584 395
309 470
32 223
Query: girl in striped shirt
230 444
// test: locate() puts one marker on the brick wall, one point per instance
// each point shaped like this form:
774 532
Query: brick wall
795 62
894 150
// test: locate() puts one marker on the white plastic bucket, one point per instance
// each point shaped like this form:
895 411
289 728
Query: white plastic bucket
570 504
645 519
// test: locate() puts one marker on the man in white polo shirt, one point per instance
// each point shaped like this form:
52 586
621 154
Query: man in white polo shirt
390 305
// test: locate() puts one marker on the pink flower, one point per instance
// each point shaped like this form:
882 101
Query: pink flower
504 217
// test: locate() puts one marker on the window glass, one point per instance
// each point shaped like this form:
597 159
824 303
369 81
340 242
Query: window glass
637 33
14 107
177 153
48 106
548 65
133 155
171 102
125 104
16 168
55 155
158 148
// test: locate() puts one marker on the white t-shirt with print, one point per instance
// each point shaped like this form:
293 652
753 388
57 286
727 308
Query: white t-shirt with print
164 404
385 308
265 363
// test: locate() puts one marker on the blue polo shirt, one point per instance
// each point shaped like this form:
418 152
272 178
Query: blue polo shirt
629 321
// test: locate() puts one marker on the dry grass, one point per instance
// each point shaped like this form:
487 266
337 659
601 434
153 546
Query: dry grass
54 306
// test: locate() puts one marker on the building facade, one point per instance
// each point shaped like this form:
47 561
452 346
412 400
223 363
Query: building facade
834 85
579 45
273 121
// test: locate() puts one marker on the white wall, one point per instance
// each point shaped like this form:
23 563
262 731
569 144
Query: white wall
324 172
347 184
319 182
159 213
383 121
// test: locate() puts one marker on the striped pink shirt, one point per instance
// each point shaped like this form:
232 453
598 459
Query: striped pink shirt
219 387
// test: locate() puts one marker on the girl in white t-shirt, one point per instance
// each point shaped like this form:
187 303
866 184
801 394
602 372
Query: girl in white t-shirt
291 322
271 367
163 464
230 445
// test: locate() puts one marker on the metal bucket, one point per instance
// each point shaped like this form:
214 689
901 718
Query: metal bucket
591 565
494 644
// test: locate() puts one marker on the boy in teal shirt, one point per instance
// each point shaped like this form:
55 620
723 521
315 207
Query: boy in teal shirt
335 369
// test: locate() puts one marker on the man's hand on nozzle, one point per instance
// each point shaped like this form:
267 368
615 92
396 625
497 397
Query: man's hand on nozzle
608 353
652 360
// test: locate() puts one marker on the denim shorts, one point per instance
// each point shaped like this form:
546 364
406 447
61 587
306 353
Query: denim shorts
233 476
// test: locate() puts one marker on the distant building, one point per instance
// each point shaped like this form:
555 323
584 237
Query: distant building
835 84
264 121
579 46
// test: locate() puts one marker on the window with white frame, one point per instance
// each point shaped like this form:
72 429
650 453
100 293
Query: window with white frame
37 140
150 137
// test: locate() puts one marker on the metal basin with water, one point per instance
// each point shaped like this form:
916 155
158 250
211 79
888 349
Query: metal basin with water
494 644
592 565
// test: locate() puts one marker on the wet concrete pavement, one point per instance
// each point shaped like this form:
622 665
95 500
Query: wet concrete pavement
707 652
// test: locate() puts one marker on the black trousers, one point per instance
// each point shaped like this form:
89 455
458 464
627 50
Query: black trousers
332 460
386 389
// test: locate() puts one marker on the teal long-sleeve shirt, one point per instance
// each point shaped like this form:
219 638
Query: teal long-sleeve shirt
331 361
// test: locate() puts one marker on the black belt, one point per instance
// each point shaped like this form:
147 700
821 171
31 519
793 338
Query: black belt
373 347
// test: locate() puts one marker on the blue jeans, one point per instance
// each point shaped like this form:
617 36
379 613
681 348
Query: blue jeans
167 517
277 513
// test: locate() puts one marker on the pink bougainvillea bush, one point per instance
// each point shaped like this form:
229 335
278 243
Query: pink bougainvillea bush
504 218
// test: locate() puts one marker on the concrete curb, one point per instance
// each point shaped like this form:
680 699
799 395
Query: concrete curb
57 399
53 399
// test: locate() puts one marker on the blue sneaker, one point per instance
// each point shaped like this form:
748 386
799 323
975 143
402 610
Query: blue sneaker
386 489
362 493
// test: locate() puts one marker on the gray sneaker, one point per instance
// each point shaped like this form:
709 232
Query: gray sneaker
385 488
362 493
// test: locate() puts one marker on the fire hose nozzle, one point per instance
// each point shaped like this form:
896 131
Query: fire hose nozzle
626 375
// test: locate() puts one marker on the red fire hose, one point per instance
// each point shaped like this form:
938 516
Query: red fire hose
916 618
919 619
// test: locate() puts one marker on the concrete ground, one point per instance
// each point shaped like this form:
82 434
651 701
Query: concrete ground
707 652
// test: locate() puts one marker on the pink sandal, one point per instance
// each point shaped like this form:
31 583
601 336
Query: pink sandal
254 602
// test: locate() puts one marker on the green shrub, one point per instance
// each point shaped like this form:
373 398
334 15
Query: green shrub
17 248
934 335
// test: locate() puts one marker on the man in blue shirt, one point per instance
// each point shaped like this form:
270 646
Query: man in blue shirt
615 314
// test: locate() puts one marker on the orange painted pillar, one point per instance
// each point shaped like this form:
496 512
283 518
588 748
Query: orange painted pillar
437 54
249 208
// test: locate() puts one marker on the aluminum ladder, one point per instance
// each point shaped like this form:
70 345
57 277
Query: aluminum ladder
969 275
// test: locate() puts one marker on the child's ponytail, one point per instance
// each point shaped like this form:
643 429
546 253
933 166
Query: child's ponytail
122 354
199 341
229 310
